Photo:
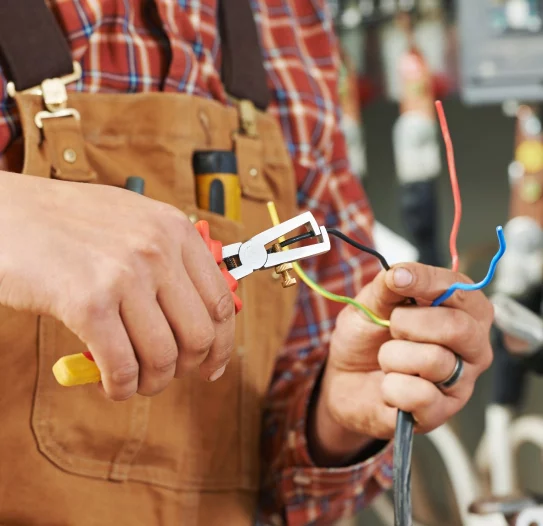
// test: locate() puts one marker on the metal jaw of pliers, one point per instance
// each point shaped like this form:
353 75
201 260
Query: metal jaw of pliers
264 251
242 259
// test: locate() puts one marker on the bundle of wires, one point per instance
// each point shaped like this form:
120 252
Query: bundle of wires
403 438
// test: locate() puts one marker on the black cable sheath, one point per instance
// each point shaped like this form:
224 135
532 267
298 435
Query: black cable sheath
359 246
296 239
403 448
403 436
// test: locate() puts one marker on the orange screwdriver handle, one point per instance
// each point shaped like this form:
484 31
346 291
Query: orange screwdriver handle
216 249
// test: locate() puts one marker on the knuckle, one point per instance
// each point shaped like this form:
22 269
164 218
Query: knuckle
117 275
384 355
120 395
222 356
427 396
173 220
125 374
389 387
96 305
435 359
201 342
458 325
461 297
223 309
150 390
165 360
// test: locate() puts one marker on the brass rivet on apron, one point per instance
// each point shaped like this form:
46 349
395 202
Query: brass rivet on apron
69 155
253 172
193 218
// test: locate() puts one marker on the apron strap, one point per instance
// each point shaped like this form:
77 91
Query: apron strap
243 73
33 48
32 45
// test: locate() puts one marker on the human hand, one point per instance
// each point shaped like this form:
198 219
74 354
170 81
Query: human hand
130 276
373 371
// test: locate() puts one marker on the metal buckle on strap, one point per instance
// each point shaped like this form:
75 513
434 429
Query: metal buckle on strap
55 96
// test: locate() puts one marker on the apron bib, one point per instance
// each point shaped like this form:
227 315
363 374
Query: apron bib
191 454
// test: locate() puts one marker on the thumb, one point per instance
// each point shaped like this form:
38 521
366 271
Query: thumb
357 339
380 298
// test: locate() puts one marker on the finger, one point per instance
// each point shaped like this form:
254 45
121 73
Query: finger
189 319
152 340
421 398
427 283
431 362
379 298
355 330
114 355
214 366
217 297
356 402
444 326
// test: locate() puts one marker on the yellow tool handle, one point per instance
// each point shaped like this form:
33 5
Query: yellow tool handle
76 369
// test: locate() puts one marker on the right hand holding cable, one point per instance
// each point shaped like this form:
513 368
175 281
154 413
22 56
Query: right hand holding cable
130 276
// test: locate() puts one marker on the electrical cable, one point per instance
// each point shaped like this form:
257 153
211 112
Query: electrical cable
454 184
359 246
317 288
296 239
487 279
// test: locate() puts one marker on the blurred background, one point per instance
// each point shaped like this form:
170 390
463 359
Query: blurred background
482 58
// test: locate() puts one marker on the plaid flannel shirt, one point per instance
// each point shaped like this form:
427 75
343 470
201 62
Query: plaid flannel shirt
132 46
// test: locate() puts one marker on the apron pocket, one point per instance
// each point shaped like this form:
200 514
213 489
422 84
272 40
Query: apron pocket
77 428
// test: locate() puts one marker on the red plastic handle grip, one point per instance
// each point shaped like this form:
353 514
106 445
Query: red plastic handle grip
216 249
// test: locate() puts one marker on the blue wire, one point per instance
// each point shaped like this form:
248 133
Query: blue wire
476 286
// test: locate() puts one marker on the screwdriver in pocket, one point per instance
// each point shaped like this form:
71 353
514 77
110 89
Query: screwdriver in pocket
80 369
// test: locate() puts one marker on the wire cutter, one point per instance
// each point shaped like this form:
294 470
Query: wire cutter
239 260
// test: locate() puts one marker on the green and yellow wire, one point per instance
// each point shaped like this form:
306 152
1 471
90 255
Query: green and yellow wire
320 290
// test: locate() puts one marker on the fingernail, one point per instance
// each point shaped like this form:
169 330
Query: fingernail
402 277
217 374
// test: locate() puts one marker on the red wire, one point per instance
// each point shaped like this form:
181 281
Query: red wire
454 184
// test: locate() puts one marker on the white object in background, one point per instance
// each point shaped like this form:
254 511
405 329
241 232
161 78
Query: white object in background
395 248
416 148
530 517
462 476
502 474
356 146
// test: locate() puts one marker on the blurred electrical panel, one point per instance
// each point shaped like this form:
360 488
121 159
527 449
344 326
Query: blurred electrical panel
501 49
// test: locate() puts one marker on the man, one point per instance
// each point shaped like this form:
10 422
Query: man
87 266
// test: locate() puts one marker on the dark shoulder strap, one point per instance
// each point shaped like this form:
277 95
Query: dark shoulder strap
32 45
33 48
243 72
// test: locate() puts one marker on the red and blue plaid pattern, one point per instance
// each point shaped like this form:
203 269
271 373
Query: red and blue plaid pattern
130 46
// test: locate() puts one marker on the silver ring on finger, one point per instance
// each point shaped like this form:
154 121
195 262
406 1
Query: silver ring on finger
454 376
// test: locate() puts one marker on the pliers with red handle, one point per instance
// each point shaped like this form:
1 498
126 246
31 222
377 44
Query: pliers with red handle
262 251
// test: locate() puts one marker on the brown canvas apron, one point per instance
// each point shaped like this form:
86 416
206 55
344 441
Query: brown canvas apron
190 455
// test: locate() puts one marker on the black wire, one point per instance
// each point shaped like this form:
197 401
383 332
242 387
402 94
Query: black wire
293 240
359 246
404 434
296 239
